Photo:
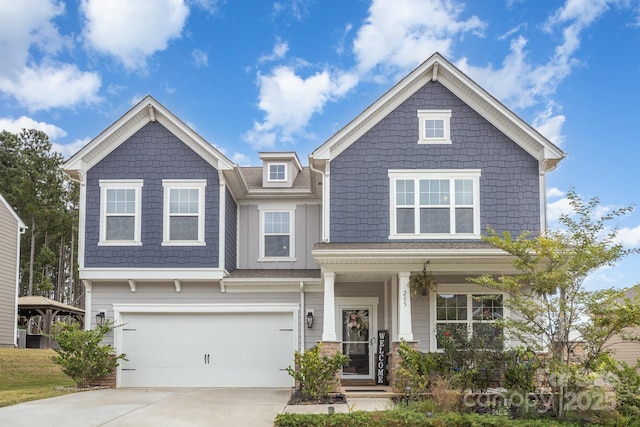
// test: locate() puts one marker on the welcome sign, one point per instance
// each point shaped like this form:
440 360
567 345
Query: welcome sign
381 358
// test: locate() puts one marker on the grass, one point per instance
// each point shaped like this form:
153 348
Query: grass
30 374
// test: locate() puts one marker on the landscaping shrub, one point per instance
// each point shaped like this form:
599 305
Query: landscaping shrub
316 374
81 356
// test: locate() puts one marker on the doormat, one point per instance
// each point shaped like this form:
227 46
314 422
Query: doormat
365 391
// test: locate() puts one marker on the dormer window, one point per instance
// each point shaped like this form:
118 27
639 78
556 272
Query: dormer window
434 126
277 172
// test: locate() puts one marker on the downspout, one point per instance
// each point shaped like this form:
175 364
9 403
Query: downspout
302 317
324 232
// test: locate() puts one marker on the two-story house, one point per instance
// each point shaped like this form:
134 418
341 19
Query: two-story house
11 227
219 272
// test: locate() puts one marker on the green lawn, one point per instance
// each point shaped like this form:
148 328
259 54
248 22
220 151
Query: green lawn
29 374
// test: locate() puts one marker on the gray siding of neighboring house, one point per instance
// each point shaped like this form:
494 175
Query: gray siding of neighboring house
231 225
8 275
152 154
509 184
307 233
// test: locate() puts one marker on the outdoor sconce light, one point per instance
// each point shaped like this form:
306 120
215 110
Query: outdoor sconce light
100 318
309 318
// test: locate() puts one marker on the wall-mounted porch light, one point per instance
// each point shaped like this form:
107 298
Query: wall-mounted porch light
100 316
309 318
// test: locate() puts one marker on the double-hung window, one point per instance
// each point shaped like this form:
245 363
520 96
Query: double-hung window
434 204
183 212
434 126
463 316
120 212
277 239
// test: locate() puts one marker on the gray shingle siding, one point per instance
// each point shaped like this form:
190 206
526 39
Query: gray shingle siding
509 184
231 224
152 154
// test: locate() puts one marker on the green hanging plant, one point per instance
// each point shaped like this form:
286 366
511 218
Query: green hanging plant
422 283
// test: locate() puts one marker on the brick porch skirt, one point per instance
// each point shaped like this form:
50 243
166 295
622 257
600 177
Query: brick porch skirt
329 348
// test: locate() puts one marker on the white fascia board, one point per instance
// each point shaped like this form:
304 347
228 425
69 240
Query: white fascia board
152 274
21 226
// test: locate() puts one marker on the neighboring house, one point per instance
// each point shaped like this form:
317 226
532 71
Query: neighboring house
11 227
624 350
214 270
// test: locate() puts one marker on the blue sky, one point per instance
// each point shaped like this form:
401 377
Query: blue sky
285 75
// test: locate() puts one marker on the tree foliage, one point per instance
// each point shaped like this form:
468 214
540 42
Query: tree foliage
81 356
316 374
32 181
551 309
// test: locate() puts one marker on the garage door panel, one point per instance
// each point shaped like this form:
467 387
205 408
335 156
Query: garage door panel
207 349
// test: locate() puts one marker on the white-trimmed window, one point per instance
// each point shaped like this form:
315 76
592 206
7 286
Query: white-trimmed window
434 126
434 204
464 315
277 172
277 237
183 212
120 212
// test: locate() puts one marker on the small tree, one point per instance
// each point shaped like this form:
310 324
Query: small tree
82 357
548 300
316 374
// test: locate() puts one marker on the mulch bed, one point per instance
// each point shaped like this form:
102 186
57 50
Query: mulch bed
297 398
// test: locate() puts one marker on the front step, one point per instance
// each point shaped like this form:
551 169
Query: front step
367 391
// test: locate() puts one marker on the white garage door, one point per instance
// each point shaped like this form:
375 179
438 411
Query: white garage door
207 349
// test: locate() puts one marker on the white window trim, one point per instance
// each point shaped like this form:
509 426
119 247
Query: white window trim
169 184
269 172
110 184
292 227
433 343
424 115
418 174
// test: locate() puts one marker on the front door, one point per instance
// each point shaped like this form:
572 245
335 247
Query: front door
357 339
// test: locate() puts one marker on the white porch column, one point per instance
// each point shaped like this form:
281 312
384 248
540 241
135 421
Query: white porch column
405 329
329 318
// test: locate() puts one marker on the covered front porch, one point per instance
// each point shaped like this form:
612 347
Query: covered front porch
368 306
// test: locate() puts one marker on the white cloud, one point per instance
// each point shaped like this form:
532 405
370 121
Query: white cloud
68 150
38 81
555 192
280 49
556 209
41 88
629 237
550 125
17 125
290 100
241 159
132 30
200 58
399 34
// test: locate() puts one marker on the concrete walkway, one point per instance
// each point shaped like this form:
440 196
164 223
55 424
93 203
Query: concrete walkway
233 407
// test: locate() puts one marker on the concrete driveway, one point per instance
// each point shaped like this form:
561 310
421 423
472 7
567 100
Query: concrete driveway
235 407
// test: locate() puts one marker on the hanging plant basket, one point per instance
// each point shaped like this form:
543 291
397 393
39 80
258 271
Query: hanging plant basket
422 283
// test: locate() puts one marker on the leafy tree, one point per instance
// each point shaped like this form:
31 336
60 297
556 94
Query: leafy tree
33 183
548 300
81 356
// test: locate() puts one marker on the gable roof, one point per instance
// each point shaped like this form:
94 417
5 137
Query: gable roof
437 68
146 111
13 213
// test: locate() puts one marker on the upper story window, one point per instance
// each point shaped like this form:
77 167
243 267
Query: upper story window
434 126
120 212
183 212
277 238
434 204
277 172
465 315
